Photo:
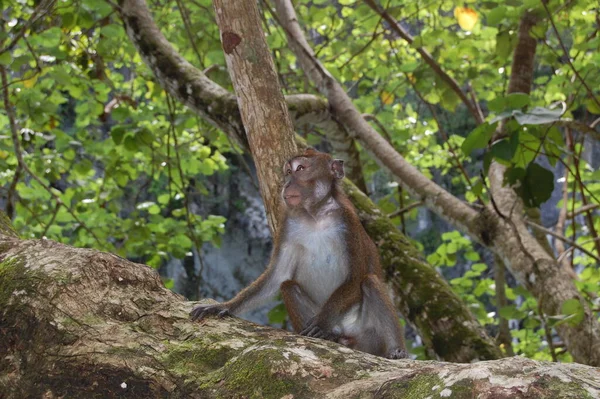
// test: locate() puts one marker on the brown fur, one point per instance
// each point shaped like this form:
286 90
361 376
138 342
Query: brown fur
325 265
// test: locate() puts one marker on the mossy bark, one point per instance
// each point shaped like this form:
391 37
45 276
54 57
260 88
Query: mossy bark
78 323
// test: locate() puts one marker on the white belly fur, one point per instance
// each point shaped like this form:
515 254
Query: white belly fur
324 265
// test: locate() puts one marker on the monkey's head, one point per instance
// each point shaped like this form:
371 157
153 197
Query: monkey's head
310 178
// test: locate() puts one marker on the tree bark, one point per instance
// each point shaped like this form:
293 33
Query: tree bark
86 324
261 103
427 302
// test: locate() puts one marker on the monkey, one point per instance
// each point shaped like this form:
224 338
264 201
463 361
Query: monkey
325 265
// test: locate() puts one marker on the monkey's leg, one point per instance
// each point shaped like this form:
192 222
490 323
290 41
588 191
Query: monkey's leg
381 333
299 305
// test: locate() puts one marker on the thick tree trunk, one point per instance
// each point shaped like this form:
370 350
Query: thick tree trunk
261 103
427 302
78 323
522 253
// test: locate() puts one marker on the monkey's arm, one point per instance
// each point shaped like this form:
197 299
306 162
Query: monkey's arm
264 288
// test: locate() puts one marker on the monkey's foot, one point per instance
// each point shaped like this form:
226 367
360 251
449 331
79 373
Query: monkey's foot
200 312
397 353
314 330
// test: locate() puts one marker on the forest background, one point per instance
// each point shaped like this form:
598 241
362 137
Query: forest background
110 140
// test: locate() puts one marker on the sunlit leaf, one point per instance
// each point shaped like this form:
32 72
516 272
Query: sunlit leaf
386 98
466 17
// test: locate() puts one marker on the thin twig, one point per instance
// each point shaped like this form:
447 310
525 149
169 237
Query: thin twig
400 212
188 30
405 209
197 244
586 208
56 209
564 239
571 249
40 11
568 58
562 219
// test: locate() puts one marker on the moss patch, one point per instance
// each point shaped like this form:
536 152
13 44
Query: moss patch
422 386
551 387
253 376
15 279
196 356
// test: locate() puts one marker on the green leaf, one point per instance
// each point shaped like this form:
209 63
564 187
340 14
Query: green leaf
163 199
510 312
451 248
503 45
117 133
504 149
5 58
50 38
479 267
538 116
534 185
472 256
497 105
477 188
517 100
478 138
69 20
154 209
554 145
495 16
83 167
592 106
144 137
574 311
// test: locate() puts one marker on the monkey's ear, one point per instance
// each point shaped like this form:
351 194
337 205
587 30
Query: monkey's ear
337 167
310 151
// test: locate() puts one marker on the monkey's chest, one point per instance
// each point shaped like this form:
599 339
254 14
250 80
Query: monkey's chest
324 264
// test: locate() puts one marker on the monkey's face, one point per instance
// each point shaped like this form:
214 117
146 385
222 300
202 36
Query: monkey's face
309 179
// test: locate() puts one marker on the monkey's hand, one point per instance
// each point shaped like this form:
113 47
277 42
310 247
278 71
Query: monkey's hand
316 329
201 311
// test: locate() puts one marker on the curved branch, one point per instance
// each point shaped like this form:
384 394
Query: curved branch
437 199
567 56
215 104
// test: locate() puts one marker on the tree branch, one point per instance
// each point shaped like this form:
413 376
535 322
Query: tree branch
436 198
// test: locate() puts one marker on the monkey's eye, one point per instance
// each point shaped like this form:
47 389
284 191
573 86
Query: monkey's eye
288 172
299 168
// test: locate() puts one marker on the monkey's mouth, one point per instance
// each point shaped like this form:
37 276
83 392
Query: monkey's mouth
292 199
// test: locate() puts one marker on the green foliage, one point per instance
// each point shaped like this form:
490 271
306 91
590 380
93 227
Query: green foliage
123 159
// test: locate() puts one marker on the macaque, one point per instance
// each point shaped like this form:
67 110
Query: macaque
325 265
